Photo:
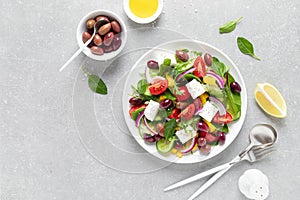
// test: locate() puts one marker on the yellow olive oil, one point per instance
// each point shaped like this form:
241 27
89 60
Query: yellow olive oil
143 8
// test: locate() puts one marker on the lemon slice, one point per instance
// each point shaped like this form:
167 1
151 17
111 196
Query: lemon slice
270 100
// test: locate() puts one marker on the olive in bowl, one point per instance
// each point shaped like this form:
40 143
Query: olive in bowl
110 38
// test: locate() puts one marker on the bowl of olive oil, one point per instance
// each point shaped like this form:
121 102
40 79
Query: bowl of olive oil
143 11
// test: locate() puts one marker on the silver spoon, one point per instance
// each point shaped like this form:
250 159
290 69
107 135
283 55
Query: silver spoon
261 136
97 25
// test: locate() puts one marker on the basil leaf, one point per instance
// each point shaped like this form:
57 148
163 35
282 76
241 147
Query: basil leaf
246 47
169 128
142 86
219 67
96 84
229 26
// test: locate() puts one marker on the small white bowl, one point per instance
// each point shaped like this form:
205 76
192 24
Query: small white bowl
82 28
140 20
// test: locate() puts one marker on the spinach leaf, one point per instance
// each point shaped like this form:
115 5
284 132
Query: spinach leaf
233 100
189 77
169 128
246 47
229 26
142 86
219 67
95 83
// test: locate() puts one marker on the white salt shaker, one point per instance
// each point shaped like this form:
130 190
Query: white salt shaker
254 184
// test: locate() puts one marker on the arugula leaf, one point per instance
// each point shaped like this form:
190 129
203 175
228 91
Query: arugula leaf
229 26
246 47
95 83
169 128
142 86
197 53
219 67
185 50
233 100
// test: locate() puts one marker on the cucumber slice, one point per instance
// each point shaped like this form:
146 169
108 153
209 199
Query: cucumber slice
163 147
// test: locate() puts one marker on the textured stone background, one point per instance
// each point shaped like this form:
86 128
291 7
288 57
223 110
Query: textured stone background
41 156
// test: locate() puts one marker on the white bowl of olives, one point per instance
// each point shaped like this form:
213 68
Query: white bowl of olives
110 38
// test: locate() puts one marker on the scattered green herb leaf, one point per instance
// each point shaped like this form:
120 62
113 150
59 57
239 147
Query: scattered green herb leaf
169 128
142 86
197 53
229 26
246 47
95 83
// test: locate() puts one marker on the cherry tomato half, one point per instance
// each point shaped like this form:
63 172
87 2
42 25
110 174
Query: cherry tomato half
188 112
174 114
134 108
158 87
225 119
200 70
184 94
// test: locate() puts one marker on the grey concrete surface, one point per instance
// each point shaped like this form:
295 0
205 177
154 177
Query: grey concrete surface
41 154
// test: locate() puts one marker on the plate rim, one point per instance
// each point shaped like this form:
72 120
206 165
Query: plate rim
243 108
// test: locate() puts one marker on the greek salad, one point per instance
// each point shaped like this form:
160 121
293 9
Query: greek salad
185 105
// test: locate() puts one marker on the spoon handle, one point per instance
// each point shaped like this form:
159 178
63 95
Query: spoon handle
203 174
76 53
209 182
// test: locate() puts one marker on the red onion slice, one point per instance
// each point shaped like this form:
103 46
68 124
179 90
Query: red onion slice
218 78
193 143
198 111
149 128
139 117
184 73
221 107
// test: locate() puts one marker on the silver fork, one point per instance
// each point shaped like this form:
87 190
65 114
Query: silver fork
251 154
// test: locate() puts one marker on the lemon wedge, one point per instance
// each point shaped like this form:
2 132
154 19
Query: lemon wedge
270 100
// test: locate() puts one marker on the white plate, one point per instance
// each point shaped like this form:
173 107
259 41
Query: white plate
167 50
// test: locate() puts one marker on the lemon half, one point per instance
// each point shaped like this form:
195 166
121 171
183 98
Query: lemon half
270 100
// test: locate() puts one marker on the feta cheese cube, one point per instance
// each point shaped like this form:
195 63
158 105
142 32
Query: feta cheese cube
195 88
186 134
151 110
208 111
